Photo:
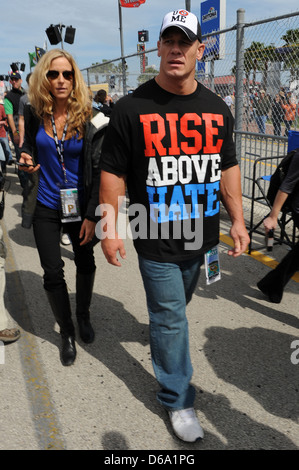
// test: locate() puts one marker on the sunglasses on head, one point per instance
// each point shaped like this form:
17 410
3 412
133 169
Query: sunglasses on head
67 74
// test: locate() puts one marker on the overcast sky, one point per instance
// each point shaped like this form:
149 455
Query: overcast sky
23 25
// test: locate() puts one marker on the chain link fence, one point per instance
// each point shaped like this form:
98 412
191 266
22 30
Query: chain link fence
256 73
267 64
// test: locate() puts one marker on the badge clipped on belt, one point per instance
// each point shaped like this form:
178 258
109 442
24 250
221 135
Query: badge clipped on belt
70 205
212 265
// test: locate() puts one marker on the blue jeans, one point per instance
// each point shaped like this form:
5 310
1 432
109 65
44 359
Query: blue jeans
169 288
261 123
6 148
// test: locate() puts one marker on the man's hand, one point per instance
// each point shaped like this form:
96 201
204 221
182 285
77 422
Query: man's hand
16 138
110 249
240 238
112 191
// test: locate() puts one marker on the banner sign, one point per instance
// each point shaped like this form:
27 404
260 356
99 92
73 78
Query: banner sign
32 59
213 18
39 52
131 3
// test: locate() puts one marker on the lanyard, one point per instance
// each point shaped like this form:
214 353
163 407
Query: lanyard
60 148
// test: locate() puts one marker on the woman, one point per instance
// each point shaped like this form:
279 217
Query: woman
62 149
273 284
103 102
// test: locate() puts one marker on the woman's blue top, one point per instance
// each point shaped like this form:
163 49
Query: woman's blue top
51 178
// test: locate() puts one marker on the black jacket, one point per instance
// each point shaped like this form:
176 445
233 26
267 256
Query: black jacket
93 139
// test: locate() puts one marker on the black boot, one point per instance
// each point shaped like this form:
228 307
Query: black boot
84 287
60 304
273 284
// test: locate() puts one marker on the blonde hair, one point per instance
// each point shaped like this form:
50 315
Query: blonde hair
40 98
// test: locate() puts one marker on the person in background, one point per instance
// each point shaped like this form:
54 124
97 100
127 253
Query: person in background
277 114
104 102
62 151
23 100
262 108
289 108
4 143
171 143
273 284
7 334
11 106
229 101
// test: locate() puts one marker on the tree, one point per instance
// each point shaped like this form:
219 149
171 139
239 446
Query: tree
253 59
104 69
107 69
150 72
290 57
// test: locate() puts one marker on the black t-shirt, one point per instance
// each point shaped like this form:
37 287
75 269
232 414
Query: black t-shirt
172 149
290 184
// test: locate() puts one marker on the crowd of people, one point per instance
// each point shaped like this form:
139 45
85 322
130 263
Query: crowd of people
281 109
271 114
168 145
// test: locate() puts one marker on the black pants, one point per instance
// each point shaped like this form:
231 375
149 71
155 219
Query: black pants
277 126
274 282
47 233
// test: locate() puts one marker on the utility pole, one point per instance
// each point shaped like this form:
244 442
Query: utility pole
188 5
122 50
60 29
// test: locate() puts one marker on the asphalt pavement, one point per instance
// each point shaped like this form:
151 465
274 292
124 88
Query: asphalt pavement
243 348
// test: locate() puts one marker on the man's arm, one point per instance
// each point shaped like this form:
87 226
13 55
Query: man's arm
13 128
21 129
11 124
112 187
231 196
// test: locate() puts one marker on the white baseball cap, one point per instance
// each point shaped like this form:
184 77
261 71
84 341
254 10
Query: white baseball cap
184 20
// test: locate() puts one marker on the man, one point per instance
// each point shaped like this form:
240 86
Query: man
170 141
262 109
11 106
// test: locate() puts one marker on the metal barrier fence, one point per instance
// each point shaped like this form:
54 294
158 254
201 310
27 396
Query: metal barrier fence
261 56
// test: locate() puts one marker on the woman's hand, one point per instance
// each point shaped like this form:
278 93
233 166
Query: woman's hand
27 159
87 231
270 223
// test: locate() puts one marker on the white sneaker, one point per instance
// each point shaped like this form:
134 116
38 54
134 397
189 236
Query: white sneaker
65 239
186 425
